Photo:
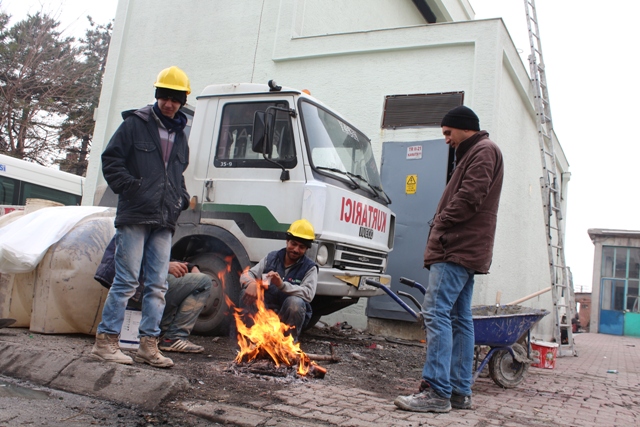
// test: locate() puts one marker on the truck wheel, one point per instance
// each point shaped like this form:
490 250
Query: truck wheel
215 316
506 371
315 318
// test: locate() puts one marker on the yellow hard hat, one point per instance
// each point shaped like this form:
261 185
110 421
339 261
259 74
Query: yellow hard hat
173 78
302 231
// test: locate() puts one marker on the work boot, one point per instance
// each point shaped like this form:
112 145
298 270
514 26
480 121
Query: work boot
426 401
107 348
179 345
459 401
148 353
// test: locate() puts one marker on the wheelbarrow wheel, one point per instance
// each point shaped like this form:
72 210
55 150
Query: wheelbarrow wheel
504 370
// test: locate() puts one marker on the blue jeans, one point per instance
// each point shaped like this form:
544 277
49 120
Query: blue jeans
449 325
185 300
136 246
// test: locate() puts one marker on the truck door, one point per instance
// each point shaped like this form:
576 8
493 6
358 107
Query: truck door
243 192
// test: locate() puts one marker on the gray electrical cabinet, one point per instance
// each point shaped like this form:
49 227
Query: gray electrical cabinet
414 175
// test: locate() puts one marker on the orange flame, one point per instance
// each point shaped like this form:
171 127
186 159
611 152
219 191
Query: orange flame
266 338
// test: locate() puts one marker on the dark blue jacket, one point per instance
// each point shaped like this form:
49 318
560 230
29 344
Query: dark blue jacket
275 262
133 167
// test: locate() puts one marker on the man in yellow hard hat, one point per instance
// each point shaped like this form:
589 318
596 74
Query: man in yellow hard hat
288 277
144 164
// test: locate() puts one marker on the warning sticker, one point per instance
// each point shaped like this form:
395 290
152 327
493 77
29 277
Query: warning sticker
411 184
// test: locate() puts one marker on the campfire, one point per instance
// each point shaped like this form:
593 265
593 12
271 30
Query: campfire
267 340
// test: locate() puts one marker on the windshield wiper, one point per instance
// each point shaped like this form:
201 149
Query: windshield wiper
341 172
376 189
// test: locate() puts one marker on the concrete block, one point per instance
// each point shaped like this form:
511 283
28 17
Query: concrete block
226 414
146 388
24 362
395 328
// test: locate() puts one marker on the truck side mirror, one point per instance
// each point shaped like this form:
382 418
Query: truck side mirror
260 142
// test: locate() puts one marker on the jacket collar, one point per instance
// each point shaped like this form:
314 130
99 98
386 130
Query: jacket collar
468 143
144 113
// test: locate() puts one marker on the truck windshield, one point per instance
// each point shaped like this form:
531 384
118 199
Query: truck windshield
339 150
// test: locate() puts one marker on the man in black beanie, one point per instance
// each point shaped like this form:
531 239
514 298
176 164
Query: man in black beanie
144 164
460 245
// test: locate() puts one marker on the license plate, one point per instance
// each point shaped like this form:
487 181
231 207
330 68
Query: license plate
363 283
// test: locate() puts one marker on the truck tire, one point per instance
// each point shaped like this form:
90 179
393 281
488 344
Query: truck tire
215 316
315 318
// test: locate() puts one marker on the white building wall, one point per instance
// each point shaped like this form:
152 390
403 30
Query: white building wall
302 44
320 17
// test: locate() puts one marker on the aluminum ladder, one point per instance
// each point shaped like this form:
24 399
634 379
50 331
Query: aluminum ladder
551 184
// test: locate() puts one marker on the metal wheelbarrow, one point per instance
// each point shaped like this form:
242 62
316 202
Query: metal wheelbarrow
499 327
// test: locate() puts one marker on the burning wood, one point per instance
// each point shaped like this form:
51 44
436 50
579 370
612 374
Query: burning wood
332 358
267 338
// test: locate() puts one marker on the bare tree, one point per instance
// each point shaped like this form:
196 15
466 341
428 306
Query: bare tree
77 130
42 78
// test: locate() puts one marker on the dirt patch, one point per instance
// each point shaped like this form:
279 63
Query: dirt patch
367 362
505 310
385 366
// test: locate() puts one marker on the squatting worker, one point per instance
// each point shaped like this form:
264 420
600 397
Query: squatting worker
143 164
460 244
291 282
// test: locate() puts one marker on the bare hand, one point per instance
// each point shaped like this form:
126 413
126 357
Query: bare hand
178 269
275 278
250 291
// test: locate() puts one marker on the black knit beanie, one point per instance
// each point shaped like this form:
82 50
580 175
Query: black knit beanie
178 95
461 118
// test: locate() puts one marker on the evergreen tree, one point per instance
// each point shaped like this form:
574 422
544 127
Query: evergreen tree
49 89
37 76
77 129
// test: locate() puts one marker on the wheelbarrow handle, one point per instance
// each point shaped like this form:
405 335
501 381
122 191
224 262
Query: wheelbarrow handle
413 284
412 298
395 297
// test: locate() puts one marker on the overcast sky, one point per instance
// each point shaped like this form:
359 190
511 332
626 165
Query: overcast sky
592 82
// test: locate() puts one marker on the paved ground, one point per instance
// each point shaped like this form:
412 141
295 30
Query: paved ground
578 392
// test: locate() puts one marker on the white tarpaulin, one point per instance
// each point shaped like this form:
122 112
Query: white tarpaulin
24 242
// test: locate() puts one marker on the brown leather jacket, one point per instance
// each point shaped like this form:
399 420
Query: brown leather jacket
464 226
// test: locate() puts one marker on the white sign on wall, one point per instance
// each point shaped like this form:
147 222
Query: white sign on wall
414 152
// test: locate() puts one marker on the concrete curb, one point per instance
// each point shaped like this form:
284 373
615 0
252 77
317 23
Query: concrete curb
242 417
145 388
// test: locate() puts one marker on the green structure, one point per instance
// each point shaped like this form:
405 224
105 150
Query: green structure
616 280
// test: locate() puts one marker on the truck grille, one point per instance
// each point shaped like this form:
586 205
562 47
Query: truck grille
350 258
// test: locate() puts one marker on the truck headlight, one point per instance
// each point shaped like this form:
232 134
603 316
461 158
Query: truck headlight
323 255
